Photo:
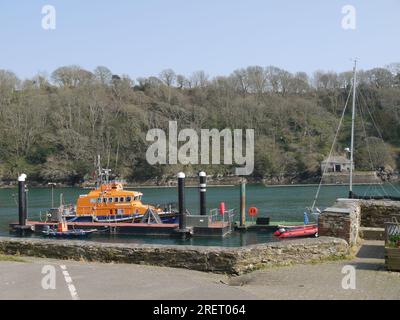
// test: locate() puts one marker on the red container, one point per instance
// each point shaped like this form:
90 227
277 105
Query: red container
222 208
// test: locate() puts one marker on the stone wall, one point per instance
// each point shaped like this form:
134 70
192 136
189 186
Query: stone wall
345 218
210 259
342 220
374 213
358 177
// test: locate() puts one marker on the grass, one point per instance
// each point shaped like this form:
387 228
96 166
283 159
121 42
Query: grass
11 258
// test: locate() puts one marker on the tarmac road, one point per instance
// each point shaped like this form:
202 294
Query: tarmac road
81 280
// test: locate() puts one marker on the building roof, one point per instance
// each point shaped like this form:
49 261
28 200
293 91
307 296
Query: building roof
337 159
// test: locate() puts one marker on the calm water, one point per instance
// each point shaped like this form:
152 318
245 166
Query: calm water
279 203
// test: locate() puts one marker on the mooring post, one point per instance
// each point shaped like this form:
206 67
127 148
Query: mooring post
203 190
243 204
181 201
22 203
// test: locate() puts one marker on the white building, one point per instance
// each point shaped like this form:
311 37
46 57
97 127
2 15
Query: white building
336 164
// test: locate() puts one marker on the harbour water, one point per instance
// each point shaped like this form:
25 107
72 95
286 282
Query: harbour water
281 204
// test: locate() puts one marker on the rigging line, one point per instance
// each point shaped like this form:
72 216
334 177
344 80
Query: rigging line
379 133
366 137
332 147
393 186
369 187
361 112
381 137
368 148
366 141
372 117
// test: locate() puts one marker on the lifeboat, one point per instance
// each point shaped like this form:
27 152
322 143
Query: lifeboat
109 202
309 230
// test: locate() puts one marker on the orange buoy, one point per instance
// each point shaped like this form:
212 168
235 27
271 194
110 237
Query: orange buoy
253 211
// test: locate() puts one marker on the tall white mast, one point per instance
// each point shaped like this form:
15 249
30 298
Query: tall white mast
353 118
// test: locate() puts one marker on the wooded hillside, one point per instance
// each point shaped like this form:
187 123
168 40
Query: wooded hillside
53 127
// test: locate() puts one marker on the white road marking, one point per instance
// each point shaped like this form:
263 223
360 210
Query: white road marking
70 284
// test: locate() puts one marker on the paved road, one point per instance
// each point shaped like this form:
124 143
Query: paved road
80 280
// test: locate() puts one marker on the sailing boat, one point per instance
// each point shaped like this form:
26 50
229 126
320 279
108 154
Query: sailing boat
308 229
352 195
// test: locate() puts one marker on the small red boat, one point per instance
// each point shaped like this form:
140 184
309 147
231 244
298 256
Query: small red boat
309 230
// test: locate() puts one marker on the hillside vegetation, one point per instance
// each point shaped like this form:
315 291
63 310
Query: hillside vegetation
53 127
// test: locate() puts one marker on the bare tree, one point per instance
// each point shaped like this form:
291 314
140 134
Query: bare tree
103 75
199 79
168 76
71 76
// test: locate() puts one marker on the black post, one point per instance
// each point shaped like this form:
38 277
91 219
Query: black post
22 200
203 190
26 203
181 201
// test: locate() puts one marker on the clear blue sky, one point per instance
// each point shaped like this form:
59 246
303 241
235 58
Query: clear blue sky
143 37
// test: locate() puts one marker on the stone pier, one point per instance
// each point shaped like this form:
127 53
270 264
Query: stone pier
349 219
342 220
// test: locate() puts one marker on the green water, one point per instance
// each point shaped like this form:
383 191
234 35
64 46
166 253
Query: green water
279 203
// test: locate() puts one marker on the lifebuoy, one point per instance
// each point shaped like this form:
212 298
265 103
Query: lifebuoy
253 211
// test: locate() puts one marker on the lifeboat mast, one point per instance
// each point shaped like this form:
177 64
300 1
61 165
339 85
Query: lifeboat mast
103 175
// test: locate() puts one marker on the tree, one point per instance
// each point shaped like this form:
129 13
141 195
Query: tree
71 76
54 130
198 79
168 76
8 84
103 75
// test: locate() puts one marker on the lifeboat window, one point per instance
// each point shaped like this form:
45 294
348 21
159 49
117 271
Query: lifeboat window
105 200
93 200
128 199
116 199
110 200
98 200
136 198
140 197
121 199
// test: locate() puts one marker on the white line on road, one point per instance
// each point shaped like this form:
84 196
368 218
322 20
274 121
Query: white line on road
70 284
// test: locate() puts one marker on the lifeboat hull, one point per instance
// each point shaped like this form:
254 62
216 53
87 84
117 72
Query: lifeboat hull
165 218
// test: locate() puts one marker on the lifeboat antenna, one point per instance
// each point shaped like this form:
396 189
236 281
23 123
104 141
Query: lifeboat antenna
103 175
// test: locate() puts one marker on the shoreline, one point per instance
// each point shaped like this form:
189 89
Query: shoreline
324 184
230 185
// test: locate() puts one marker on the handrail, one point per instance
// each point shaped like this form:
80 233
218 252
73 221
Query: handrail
214 214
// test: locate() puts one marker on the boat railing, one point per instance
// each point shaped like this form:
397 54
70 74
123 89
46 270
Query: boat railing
228 216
